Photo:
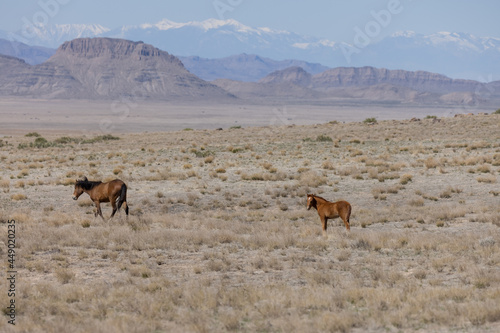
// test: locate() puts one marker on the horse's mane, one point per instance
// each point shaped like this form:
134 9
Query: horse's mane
86 184
318 197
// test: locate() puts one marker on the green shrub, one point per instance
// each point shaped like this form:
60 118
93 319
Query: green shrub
204 153
101 138
41 142
324 138
66 139
107 137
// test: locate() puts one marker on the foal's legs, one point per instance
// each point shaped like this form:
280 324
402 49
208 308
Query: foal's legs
324 221
345 216
346 222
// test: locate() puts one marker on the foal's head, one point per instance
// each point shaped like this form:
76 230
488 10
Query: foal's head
79 188
311 201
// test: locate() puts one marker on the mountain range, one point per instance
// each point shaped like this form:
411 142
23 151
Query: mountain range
242 67
456 55
105 68
368 84
33 55
111 69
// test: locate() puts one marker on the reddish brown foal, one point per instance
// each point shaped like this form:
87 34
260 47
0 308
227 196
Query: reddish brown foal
114 191
330 210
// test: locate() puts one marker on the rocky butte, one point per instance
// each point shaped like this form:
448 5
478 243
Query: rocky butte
106 68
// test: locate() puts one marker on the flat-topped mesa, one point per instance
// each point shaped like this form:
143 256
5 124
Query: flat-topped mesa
111 48
296 75
342 77
107 68
367 76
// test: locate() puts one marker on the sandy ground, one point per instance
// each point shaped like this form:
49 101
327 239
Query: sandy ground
128 116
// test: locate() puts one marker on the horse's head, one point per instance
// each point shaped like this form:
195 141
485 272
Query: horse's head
79 188
311 201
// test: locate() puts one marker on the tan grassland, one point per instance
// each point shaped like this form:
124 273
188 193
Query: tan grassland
219 238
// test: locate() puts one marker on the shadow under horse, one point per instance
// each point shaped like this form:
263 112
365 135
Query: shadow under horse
114 191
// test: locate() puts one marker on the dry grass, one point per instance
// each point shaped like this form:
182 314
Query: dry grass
18 196
222 241
490 179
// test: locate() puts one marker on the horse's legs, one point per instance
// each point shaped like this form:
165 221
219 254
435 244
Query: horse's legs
113 203
98 212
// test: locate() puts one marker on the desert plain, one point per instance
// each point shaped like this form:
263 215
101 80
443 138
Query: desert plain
219 239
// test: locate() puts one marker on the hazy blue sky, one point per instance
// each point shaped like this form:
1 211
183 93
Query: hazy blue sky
331 19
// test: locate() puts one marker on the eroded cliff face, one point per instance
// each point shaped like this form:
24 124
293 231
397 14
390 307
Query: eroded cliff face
108 68
368 76
109 48
344 77
368 84
295 75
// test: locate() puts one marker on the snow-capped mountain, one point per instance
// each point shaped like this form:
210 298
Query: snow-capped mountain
457 55
54 35
466 42
209 24
214 38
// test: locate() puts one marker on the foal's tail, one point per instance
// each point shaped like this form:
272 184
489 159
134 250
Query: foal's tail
123 198
349 213
348 216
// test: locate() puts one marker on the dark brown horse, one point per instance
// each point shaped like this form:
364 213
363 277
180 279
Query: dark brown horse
330 210
114 191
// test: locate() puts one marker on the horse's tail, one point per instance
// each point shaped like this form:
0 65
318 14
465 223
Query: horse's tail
123 198
349 213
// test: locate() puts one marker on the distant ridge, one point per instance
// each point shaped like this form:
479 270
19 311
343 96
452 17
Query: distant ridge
369 76
31 54
107 68
369 84
296 75
454 54
243 67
